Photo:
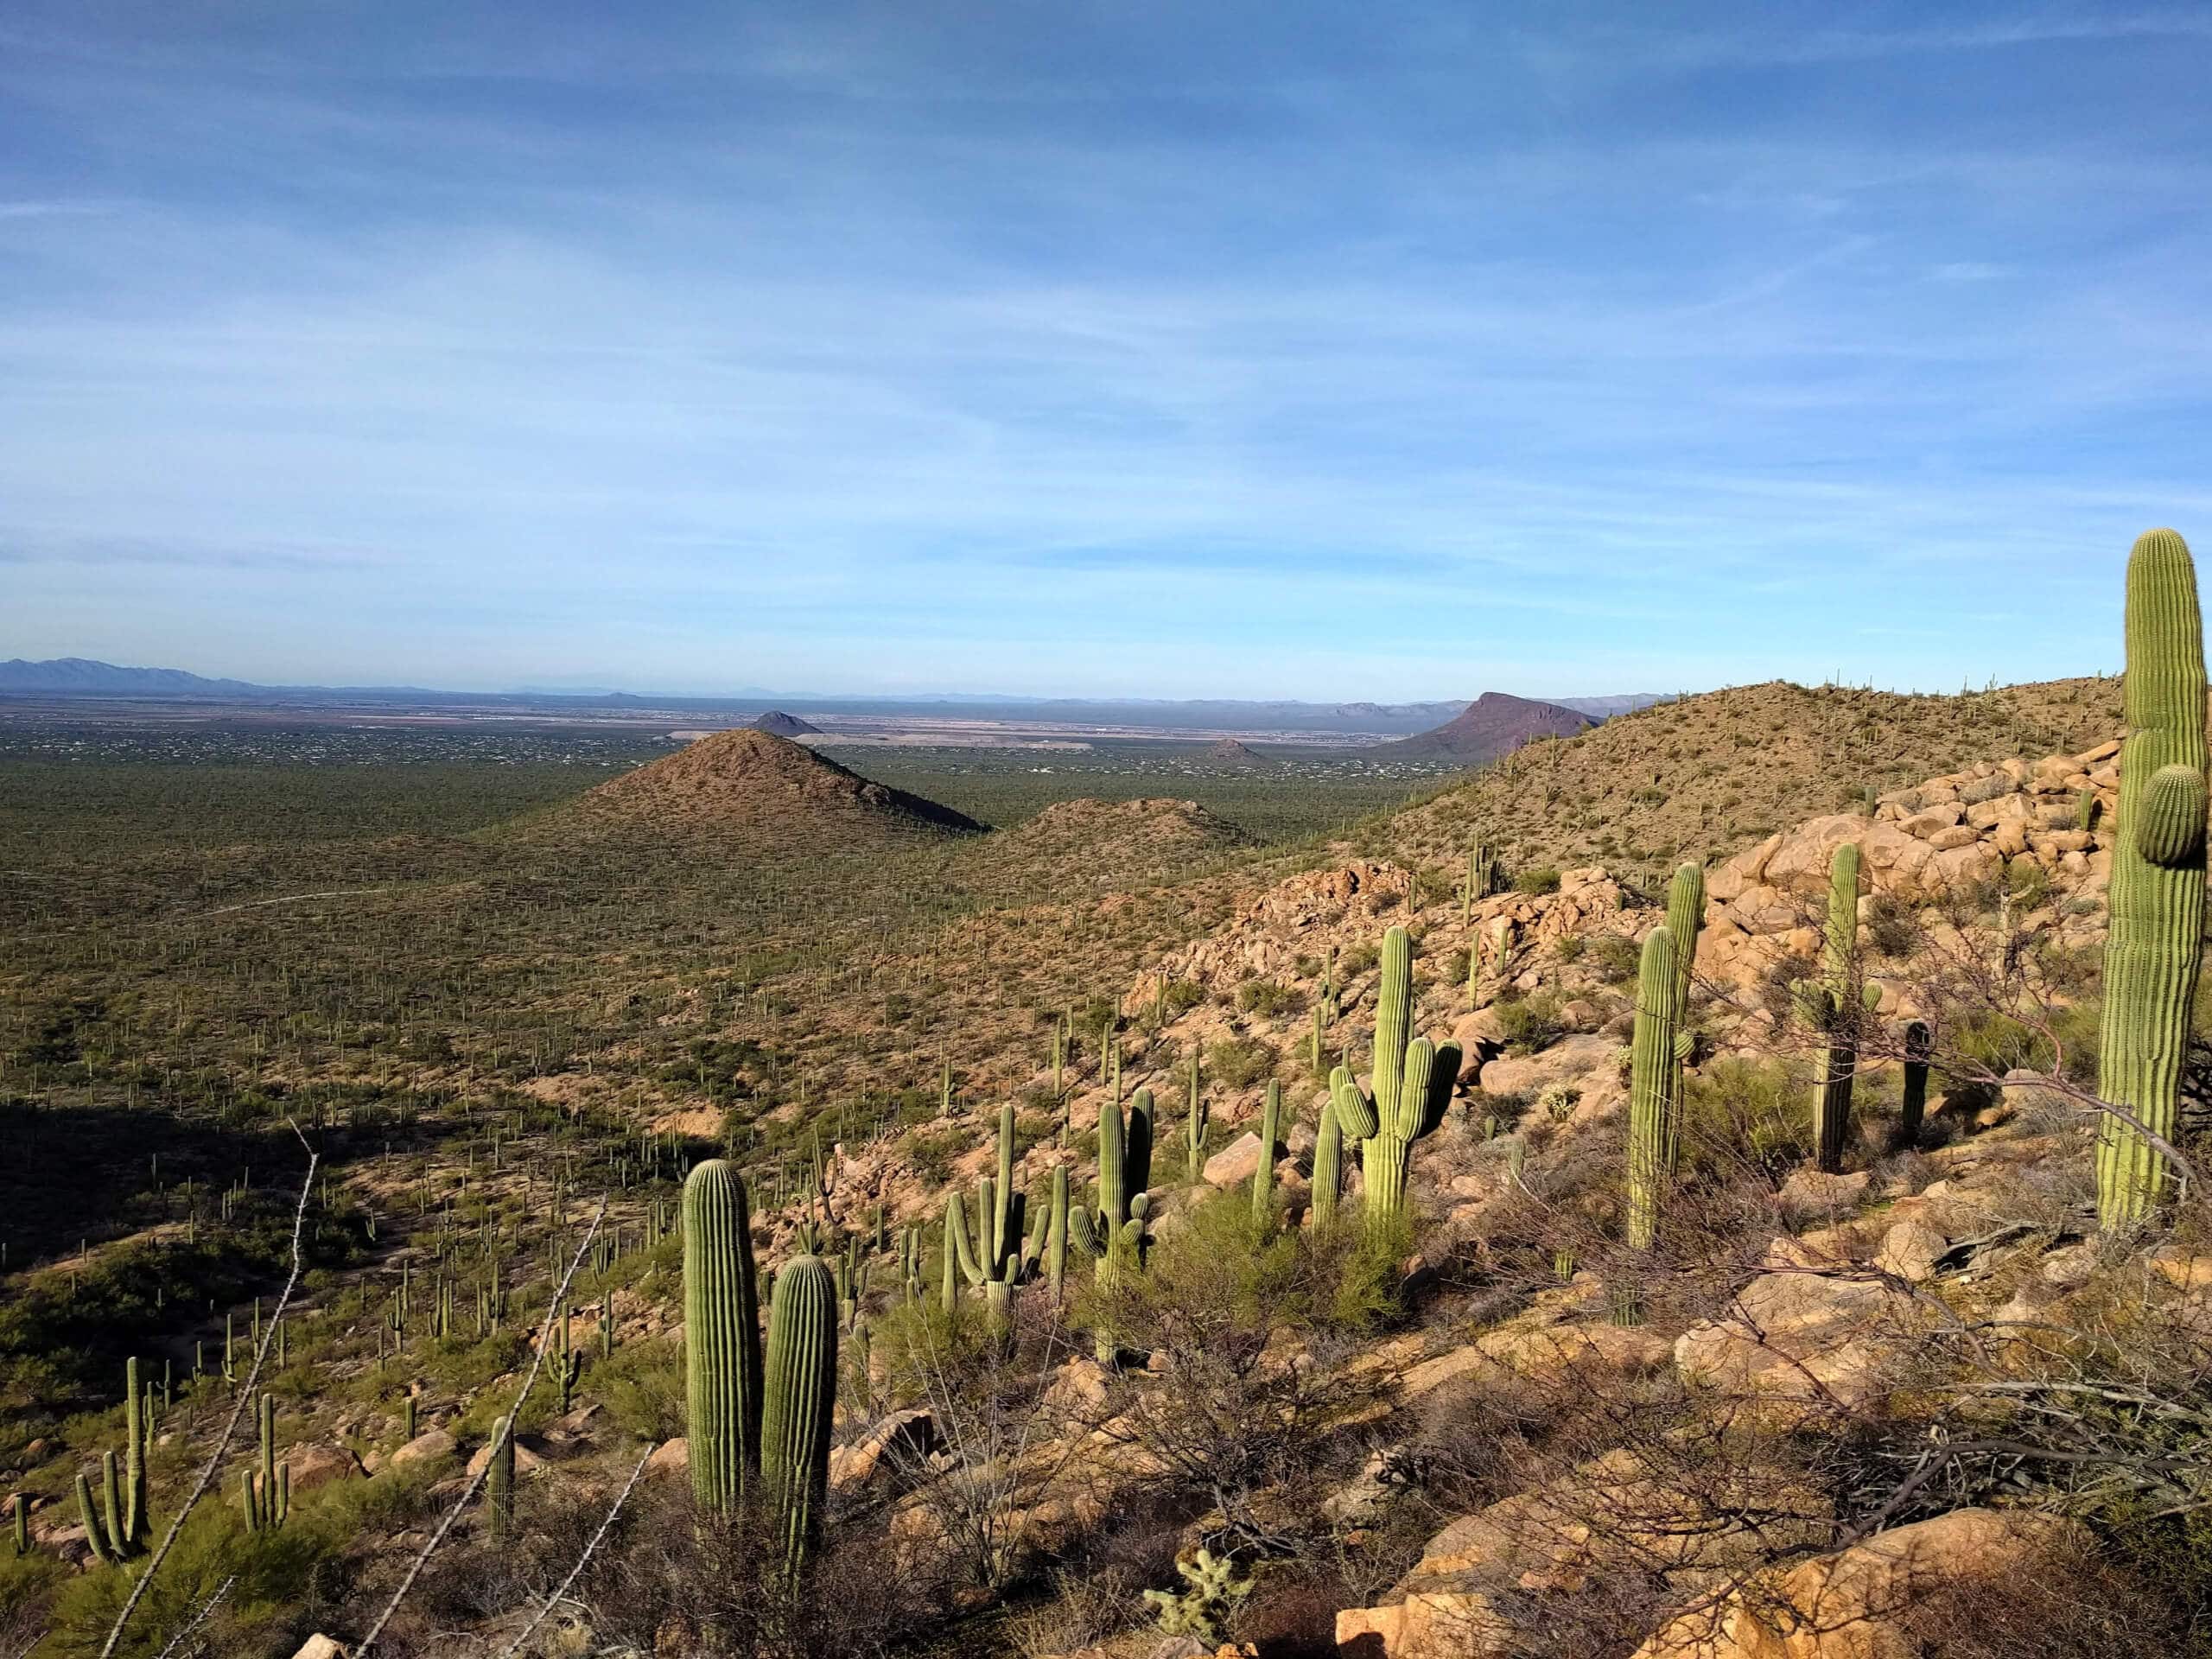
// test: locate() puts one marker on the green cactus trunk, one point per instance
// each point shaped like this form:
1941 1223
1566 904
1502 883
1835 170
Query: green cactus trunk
1263 1177
1328 1167
2157 899
721 1336
1918 1048
1840 1004
801 1390
1056 1236
1653 1092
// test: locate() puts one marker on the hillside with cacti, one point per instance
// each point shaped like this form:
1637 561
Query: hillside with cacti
1724 1184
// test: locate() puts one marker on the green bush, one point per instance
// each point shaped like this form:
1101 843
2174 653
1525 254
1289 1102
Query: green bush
1614 955
1738 1112
1530 1023
641 1385
1266 997
1537 881
1239 1062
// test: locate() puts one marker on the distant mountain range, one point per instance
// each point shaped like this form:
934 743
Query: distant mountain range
78 676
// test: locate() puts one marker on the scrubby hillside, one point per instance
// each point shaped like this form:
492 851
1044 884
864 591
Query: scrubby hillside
1702 776
1812 1412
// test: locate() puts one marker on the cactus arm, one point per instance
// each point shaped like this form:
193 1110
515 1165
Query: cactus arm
1263 1174
1137 1177
1356 1113
956 1228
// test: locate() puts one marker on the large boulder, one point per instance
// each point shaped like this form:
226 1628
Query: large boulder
1235 1164
1802 1334
427 1447
313 1465
1856 1604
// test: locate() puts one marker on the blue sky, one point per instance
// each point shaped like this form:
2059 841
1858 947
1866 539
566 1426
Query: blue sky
1391 350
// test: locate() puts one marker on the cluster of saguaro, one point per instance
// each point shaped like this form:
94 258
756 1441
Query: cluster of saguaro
1659 1052
996 1257
759 1423
266 1496
2157 900
117 1533
1411 1084
1115 1234
1835 1002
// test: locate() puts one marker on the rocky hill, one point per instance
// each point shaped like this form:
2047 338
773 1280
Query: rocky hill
1704 776
752 782
1494 724
777 723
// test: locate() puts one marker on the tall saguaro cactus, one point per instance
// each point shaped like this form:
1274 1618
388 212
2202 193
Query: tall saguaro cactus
1328 1166
1654 1096
1263 1173
1837 1001
1412 1082
721 1334
2156 898
801 1396
117 1532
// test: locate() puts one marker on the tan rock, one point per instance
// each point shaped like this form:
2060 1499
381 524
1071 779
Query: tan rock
1930 821
527 1461
1746 870
320 1647
671 1457
1235 1164
1801 863
1910 1249
1808 1194
426 1447
1853 1604
313 1465
1959 834
900 1440
1566 1062
1801 1334
1427 1625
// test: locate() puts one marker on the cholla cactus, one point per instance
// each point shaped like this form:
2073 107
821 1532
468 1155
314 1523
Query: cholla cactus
1210 1598
1411 1084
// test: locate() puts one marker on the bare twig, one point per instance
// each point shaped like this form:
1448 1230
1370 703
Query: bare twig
583 1560
229 1429
468 1492
206 1611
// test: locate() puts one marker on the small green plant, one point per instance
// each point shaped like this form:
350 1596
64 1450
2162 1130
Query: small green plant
1537 881
1210 1598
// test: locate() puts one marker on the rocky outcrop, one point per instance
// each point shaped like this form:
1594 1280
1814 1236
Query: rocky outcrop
1859 1603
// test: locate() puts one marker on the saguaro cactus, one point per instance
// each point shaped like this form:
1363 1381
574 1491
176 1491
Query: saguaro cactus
721 1334
2156 898
1836 1002
1328 1167
117 1531
1194 1128
1412 1082
801 1390
267 1496
1263 1176
1115 1234
1653 1126
501 1496
1919 1046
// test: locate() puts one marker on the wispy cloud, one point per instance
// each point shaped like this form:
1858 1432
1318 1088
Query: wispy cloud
826 347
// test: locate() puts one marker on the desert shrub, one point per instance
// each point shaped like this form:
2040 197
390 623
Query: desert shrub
1738 1112
1181 995
930 1151
1266 997
1615 956
1239 1062
1893 924
1570 948
642 1386
1530 1023
1536 881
